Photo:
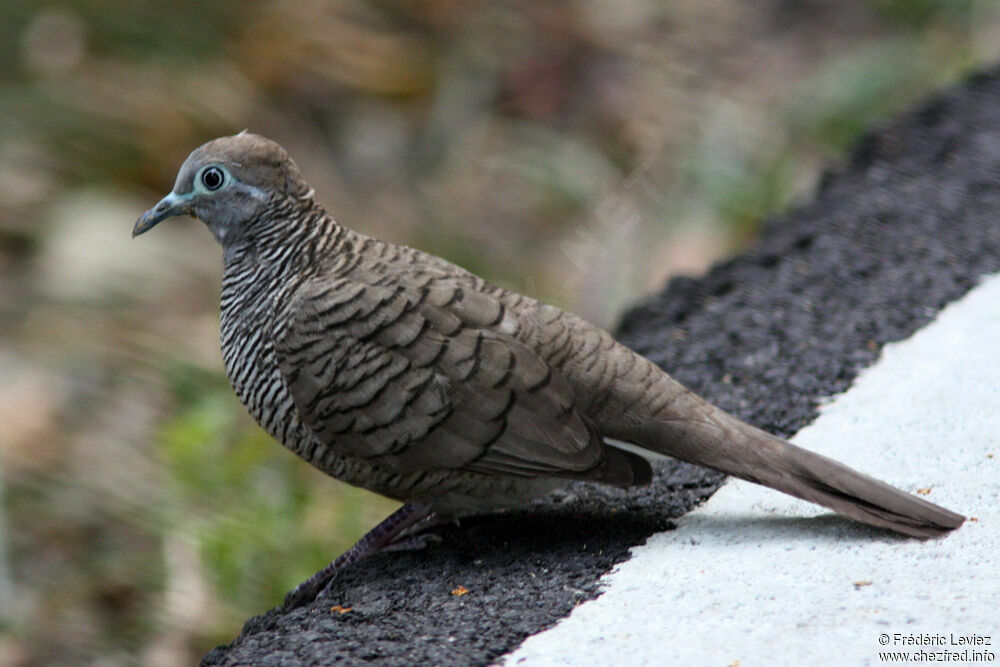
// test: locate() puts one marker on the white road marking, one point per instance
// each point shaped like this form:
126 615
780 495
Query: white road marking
754 577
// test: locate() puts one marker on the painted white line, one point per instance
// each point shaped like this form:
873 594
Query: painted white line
754 577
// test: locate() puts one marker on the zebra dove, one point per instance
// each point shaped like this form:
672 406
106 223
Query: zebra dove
397 371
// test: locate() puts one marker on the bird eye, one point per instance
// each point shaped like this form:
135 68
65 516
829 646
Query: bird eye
213 178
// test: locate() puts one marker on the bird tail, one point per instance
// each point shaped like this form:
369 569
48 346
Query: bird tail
718 440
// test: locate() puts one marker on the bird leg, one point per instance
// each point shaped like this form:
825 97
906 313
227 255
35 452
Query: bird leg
397 531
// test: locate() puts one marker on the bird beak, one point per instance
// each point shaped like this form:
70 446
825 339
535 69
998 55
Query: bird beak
170 206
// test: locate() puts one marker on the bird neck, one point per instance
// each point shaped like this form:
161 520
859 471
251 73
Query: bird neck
288 234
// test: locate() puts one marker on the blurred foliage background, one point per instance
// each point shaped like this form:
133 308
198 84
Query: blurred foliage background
579 150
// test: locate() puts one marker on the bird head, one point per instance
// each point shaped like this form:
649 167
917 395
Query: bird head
229 184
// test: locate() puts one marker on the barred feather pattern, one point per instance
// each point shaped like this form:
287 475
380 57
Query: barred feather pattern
297 244
397 371
400 372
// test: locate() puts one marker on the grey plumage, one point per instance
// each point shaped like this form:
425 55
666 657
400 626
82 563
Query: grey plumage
397 371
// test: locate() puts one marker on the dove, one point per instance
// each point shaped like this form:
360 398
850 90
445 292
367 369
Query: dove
397 371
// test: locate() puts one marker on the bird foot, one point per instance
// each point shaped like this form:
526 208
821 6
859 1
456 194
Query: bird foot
397 532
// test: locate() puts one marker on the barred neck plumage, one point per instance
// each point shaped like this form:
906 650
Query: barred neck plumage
289 233
280 251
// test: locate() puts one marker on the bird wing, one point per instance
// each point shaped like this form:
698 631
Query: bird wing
420 378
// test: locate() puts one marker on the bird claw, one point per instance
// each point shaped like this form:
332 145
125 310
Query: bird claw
308 591
395 533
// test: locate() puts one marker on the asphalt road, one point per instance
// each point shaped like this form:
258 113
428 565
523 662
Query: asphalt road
907 226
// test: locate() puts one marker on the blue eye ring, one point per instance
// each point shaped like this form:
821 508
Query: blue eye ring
213 178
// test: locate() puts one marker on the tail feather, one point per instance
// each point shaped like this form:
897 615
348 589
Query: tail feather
821 480
720 441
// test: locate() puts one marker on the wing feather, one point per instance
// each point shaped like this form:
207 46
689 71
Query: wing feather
423 379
